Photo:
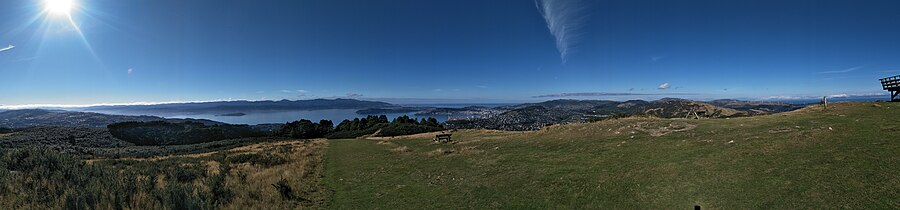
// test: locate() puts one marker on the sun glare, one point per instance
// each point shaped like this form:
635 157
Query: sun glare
59 7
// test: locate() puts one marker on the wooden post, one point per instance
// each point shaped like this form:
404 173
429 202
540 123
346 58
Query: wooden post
825 102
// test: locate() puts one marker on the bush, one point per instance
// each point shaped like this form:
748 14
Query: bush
46 179
284 189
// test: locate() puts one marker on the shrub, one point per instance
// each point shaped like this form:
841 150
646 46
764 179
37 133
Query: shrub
284 189
185 174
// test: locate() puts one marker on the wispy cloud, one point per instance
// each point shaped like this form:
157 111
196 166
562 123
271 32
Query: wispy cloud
664 86
839 95
840 71
20 59
596 94
657 58
564 19
130 70
294 91
10 47
354 95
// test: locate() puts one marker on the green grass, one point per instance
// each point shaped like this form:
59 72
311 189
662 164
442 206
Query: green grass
848 157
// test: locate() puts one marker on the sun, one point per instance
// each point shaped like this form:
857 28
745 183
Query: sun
59 7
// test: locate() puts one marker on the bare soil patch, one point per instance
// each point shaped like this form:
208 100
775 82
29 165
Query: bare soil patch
656 130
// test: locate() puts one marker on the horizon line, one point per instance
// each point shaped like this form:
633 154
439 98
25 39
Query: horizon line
144 103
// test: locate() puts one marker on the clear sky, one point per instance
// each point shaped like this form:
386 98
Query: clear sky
120 51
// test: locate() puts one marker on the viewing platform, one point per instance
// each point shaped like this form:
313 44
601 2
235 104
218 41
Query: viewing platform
892 84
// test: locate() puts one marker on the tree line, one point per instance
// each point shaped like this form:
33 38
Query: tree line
155 133
369 125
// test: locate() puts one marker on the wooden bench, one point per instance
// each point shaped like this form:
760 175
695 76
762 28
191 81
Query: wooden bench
442 137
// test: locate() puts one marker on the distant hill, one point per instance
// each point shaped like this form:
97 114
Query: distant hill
533 116
225 107
39 117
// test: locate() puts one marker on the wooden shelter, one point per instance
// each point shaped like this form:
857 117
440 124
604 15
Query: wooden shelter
892 84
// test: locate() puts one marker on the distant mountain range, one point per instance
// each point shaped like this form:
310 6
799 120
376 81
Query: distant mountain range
228 107
529 116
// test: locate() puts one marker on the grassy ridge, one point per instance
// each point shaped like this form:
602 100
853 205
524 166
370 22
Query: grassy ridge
846 157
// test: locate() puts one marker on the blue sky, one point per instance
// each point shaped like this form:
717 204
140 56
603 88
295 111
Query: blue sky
122 51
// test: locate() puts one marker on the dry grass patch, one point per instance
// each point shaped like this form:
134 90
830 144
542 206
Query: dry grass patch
441 152
268 175
4 135
254 184
401 150
655 130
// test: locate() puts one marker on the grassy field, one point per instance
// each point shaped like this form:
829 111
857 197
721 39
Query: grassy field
847 157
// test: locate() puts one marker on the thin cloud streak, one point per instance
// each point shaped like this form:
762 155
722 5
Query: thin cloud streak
840 71
595 94
564 20
10 47
807 97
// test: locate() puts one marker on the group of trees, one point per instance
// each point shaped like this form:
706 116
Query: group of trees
305 129
157 133
169 133
378 125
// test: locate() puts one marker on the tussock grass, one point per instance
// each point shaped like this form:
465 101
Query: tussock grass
239 178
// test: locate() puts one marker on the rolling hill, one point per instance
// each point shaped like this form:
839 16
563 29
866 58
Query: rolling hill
533 116
39 117
846 157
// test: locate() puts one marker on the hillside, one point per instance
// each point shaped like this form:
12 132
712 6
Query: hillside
534 116
39 117
846 157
